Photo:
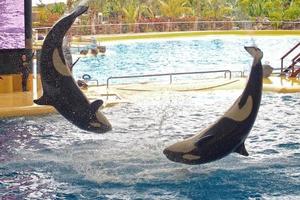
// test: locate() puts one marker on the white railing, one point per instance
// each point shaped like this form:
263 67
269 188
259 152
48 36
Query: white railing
176 26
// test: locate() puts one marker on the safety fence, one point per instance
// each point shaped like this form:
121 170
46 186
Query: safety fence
176 26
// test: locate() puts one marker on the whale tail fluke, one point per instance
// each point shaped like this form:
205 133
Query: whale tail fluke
43 100
255 52
80 10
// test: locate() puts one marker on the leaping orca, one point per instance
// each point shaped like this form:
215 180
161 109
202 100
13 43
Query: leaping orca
229 133
59 87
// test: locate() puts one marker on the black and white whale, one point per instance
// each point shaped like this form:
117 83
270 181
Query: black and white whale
229 133
59 87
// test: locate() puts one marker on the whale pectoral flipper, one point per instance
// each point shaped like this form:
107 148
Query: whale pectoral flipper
96 105
204 139
242 150
43 100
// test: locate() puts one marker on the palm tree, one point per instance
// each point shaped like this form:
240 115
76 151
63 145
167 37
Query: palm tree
95 6
131 11
216 10
150 8
174 8
70 4
197 8
292 12
254 8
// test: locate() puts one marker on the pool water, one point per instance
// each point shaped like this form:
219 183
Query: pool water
182 55
48 158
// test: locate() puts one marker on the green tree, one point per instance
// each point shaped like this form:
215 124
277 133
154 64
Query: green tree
113 9
236 11
131 11
95 6
253 8
150 8
216 10
196 7
70 4
293 10
174 8
58 8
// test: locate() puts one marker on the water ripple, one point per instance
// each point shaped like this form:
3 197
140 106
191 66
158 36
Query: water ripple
48 157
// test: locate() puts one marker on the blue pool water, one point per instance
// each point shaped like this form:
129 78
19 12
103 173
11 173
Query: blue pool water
46 157
182 55
49 158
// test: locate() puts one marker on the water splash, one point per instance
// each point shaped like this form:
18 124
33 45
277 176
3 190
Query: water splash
253 41
83 3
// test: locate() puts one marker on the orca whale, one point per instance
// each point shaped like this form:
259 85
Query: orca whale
59 87
229 133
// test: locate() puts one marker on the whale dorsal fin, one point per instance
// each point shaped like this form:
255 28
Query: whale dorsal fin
204 139
242 150
96 105
43 100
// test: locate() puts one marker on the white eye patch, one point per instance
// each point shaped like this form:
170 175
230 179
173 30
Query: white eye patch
190 157
59 66
95 124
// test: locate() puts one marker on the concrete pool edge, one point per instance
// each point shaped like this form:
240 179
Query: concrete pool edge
83 40
124 93
133 36
22 111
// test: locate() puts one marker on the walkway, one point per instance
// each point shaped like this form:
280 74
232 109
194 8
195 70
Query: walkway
21 103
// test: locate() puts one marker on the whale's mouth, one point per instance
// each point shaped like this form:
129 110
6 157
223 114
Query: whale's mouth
103 120
182 157
254 51
173 156
80 10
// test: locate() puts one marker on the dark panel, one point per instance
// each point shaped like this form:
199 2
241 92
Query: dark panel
10 60
28 24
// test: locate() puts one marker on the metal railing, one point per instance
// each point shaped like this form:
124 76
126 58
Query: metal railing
123 28
287 53
170 75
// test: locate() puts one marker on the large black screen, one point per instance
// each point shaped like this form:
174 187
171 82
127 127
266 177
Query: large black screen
12 24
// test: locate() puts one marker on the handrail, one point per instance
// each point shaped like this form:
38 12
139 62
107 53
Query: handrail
285 55
296 58
167 74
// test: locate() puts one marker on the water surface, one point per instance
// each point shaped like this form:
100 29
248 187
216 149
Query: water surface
47 157
183 55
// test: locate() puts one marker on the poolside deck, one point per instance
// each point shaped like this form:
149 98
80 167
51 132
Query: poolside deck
21 103
16 104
